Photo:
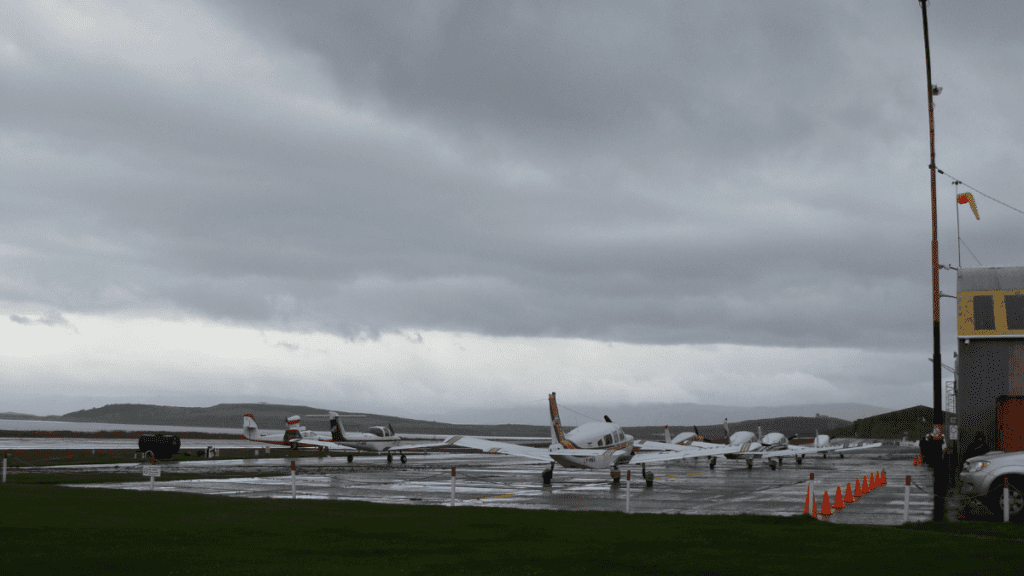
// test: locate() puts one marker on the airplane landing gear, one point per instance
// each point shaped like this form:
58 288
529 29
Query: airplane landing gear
404 459
750 463
648 476
349 458
771 464
616 475
547 474
799 459
824 455
389 458
712 461
841 455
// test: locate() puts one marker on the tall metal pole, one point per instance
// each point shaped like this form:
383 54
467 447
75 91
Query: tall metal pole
938 467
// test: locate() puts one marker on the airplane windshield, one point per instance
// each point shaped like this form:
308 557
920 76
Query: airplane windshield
377 431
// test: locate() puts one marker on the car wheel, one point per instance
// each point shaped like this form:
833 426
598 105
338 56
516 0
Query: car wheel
1016 499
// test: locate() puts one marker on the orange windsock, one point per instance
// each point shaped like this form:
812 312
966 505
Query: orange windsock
826 509
968 198
839 498
849 494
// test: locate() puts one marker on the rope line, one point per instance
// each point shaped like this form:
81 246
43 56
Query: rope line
962 183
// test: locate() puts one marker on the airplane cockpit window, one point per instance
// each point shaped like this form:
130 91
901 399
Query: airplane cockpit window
600 442
608 439
378 431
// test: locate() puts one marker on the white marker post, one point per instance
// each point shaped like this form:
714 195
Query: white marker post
153 471
811 483
5 468
293 479
452 504
906 502
627 490
1006 499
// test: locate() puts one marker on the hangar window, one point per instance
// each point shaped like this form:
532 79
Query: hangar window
1014 311
984 314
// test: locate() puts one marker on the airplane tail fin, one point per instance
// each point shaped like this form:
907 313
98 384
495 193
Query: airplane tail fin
668 438
250 431
726 424
556 423
760 435
294 429
337 430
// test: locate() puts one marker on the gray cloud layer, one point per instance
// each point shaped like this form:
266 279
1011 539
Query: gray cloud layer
650 173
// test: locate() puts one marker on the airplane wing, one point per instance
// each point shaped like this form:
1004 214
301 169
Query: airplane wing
312 443
690 452
494 447
861 447
801 451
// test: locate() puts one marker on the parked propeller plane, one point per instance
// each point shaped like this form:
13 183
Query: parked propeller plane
379 439
772 447
595 445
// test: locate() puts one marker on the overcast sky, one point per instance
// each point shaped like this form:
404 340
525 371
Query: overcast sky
411 207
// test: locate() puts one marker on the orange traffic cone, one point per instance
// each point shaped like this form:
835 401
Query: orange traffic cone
814 508
807 501
864 489
856 491
849 494
826 509
839 499
883 477
872 485
917 460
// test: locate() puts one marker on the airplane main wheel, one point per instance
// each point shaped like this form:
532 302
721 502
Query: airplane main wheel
712 462
841 455
616 475
404 459
771 465
350 458
389 458
750 464
799 459
649 477
546 476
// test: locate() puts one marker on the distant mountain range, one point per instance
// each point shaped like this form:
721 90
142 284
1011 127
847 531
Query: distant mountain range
793 420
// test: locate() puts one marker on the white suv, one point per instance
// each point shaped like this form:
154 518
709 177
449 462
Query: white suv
982 479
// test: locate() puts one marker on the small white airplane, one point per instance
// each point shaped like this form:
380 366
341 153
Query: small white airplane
772 447
379 439
595 445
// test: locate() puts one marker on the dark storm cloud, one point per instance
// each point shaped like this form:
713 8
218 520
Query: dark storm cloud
652 172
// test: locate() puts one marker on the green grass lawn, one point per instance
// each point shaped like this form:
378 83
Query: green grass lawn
45 528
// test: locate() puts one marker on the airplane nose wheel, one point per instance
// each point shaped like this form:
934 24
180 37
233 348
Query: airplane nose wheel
799 459
389 458
547 474
648 476
616 475
712 461
404 459
349 458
